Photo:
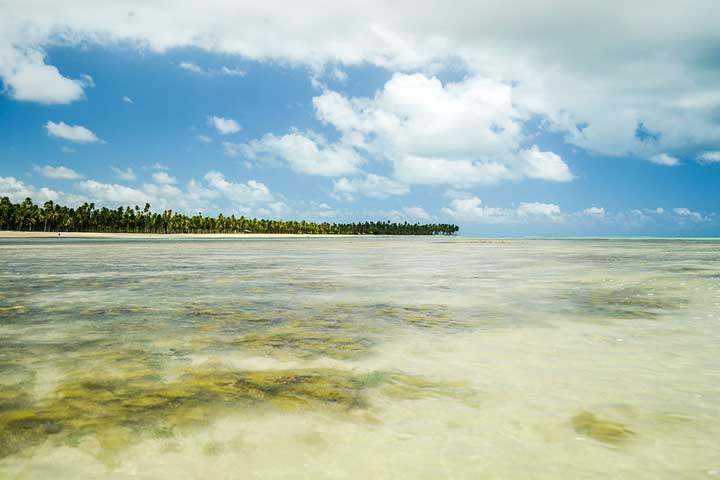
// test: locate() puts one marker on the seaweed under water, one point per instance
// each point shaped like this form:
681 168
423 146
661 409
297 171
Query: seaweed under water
634 302
608 431
138 402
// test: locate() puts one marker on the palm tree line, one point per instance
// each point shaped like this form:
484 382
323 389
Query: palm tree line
51 217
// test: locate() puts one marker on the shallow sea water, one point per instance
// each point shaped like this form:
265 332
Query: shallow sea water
417 358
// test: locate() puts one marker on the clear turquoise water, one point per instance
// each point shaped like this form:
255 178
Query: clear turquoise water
359 358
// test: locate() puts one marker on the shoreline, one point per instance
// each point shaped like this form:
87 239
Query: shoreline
20 235
9 235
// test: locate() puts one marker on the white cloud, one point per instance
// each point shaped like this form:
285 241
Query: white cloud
72 133
203 138
236 72
191 67
472 210
665 159
127 174
339 75
436 171
461 133
66 149
113 193
416 213
249 192
27 77
247 198
594 212
224 126
646 62
305 153
537 209
544 165
709 157
127 99
59 172
373 186
163 177
86 81
17 191
224 70
687 213
158 166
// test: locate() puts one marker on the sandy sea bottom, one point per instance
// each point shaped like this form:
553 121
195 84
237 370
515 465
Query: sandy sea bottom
359 358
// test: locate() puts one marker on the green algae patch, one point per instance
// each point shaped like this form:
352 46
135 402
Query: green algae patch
607 431
400 386
120 410
319 285
625 303
12 310
305 343
209 319
428 317
117 411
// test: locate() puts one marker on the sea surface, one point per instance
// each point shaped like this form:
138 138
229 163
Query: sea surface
356 357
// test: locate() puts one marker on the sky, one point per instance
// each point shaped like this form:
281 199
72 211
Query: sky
507 118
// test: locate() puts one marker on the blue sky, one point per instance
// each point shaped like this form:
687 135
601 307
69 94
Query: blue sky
415 120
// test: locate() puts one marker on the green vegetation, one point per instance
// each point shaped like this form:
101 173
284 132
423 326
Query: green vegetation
50 217
585 423
628 302
305 342
119 410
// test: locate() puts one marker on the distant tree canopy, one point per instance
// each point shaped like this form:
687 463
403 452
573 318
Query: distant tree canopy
51 217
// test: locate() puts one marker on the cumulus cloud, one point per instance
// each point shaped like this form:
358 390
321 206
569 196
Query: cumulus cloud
594 212
158 166
234 72
27 77
59 172
163 177
472 210
372 186
191 67
687 213
72 133
544 165
461 133
305 153
203 138
650 69
537 209
665 159
126 174
224 70
16 190
224 126
408 214
112 193
249 192
245 197
709 157
86 81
